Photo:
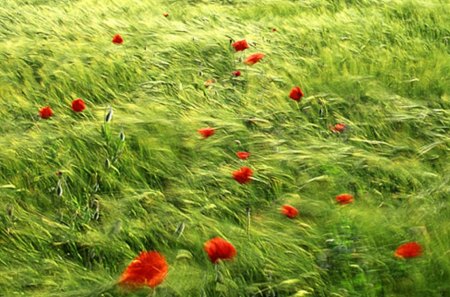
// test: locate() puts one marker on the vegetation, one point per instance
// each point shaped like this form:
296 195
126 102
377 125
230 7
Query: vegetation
80 196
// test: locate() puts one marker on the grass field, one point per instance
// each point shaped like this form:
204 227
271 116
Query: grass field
146 180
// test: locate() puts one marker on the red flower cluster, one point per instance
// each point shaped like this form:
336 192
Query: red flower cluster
243 155
408 250
289 211
219 249
148 269
243 175
240 45
296 94
206 132
78 105
344 199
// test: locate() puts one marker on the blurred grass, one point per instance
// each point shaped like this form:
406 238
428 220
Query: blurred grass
381 67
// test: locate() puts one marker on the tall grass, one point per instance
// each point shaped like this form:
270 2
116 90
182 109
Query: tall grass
381 67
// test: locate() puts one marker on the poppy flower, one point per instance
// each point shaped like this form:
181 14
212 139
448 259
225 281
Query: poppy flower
243 175
274 29
46 112
254 58
243 155
117 39
209 82
344 198
338 128
240 45
237 73
289 211
207 132
78 105
296 94
147 269
219 249
408 250
165 14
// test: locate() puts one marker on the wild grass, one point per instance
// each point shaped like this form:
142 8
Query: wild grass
381 67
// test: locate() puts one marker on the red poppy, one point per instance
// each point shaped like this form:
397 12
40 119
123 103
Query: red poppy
289 211
237 73
338 128
408 250
147 269
219 249
243 155
243 175
117 39
46 112
254 58
78 105
209 82
165 14
344 198
206 132
296 94
240 45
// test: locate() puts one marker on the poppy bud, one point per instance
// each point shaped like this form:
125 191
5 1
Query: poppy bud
96 215
10 211
122 136
109 115
59 189
180 229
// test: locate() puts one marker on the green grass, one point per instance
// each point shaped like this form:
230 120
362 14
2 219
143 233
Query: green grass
381 67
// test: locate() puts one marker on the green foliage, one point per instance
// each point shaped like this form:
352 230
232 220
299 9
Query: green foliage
145 180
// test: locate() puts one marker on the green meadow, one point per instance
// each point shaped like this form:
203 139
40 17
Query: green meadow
81 196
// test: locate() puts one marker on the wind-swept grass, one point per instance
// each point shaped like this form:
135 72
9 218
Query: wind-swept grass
147 181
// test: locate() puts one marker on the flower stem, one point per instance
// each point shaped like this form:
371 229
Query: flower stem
216 270
248 219
152 293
